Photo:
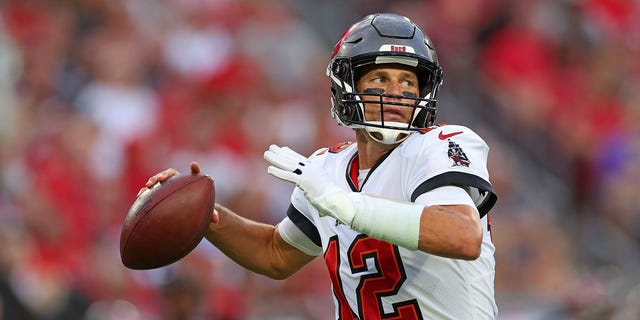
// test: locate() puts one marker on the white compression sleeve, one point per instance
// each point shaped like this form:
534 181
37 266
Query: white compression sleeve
388 220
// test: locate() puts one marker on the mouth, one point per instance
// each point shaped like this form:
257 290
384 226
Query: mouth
393 115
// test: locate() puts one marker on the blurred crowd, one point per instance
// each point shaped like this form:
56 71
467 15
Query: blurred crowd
98 95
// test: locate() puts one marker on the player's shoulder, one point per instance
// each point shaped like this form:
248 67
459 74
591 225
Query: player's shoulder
444 132
338 149
441 138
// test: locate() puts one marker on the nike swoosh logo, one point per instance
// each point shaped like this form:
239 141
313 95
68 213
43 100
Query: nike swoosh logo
443 136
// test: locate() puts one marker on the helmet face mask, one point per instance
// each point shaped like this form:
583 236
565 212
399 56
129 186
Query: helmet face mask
383 40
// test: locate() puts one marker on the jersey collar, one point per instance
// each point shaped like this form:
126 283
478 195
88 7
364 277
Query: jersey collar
354 167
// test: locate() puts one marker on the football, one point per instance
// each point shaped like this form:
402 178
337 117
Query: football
167 221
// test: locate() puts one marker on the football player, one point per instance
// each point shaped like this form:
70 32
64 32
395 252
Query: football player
400 215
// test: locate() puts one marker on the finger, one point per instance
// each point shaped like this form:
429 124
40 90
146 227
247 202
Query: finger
294 155
165 175
274 147
195 168
280 161
151 181
283 174
215 216
161 177
287 153
143 190
290 154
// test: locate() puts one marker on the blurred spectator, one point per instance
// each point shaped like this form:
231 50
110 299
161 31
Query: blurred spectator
94 94
183 300
117 98
9 72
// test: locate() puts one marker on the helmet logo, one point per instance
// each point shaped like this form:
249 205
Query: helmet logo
396 48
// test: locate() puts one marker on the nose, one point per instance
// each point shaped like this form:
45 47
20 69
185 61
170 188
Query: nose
393 87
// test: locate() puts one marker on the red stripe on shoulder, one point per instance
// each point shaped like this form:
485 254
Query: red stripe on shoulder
435 126
340 146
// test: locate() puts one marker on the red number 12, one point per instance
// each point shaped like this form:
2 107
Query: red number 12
386 281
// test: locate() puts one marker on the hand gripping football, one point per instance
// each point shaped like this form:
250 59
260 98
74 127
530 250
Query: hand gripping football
167 222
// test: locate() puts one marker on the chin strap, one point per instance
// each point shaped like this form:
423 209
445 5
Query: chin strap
387 136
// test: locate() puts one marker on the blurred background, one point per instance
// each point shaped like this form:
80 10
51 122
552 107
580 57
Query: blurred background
98 95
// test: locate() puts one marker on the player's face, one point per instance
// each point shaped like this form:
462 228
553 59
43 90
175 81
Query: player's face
390 80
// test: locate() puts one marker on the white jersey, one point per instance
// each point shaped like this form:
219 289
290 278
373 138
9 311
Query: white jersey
374 279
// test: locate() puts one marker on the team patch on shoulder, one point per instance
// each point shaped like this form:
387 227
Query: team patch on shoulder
457 155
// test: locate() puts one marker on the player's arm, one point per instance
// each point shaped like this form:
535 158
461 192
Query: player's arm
253 245
450 223
451 231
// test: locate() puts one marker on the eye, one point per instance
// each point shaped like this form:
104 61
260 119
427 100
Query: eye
408 83
378 80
